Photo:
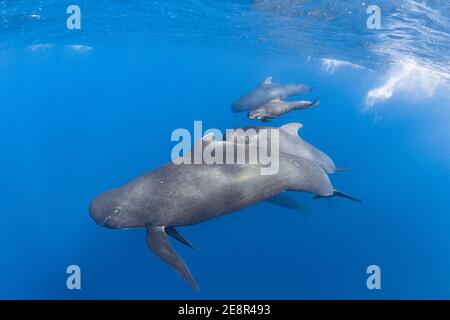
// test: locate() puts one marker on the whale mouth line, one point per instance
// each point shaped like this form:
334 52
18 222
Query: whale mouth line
105 220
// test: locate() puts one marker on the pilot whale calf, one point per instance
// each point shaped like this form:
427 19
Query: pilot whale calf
277 108
266 92
185 194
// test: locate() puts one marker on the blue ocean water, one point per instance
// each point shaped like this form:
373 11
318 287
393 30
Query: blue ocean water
83 111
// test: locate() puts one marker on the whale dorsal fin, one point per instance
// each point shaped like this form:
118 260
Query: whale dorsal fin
209 138
267 81
292 128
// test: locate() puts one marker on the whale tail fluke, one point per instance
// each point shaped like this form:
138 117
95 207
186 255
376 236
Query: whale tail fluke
340 194
159 243
342 169
287 202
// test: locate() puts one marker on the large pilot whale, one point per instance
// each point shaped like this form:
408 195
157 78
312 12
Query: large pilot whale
184 194
266 92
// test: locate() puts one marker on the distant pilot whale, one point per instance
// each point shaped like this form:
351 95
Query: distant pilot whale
185 194
277 108
266 92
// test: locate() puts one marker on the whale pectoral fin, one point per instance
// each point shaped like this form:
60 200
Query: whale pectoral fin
159 243
287 202
171 231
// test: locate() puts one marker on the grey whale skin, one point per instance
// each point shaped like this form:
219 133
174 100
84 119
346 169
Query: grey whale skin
291 143
185 194
266 92
276 108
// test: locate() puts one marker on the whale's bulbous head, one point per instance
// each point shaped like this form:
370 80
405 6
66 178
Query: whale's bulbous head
113 209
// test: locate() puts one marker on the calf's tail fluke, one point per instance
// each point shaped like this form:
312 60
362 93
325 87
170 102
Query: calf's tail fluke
316 102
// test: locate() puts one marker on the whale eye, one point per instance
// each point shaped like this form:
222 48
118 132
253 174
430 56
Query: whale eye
116 210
